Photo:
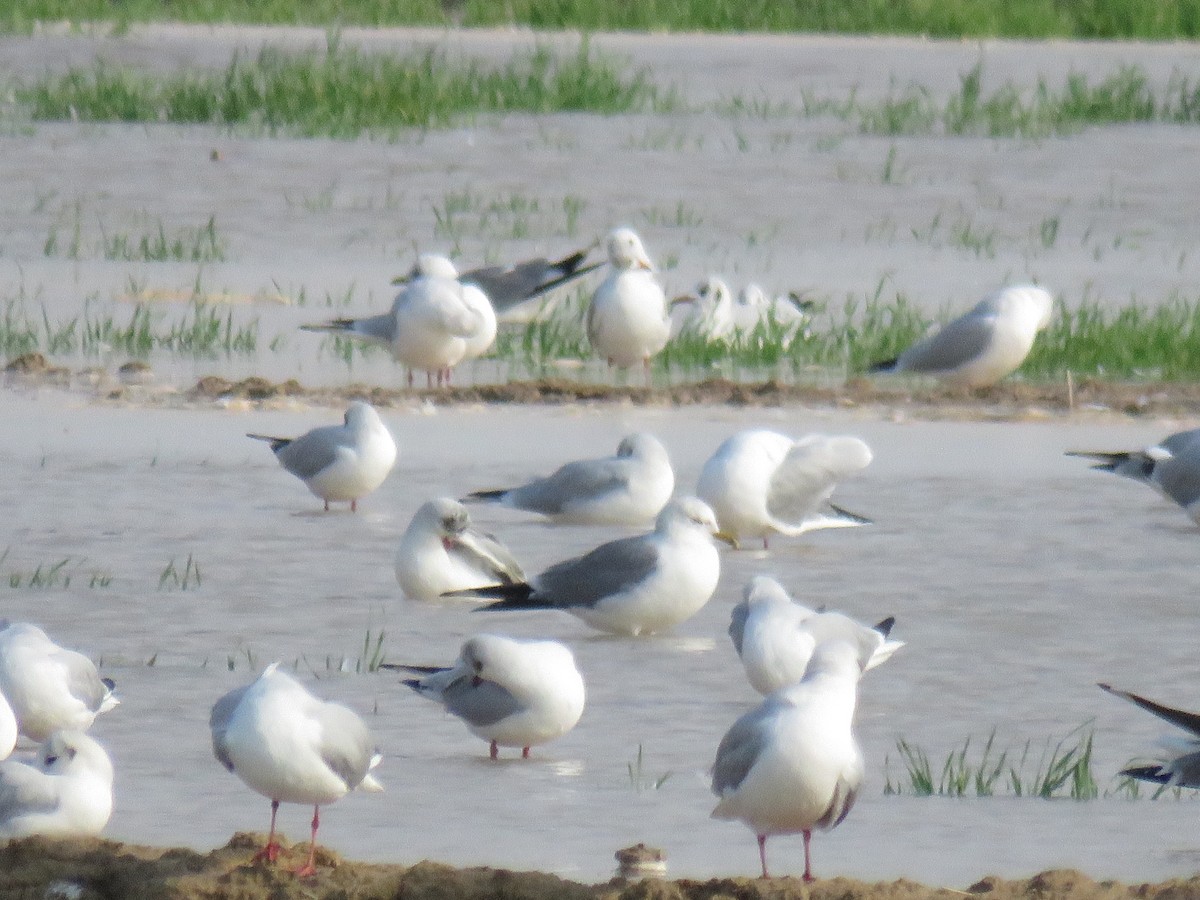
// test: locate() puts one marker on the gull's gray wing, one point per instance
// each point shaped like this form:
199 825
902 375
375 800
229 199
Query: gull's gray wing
380 329
83 680
574 482
845 792
1183 771
480 705
737 625
1185 720
739 749
308 454
1179 476
346 744
25 790
218 723
508 287
957 343
609 569
487 555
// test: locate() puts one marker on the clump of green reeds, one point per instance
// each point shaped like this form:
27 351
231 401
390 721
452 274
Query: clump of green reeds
341 92
172 579
1061 769
641 780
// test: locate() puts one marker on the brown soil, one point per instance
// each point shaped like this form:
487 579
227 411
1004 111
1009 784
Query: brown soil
104 870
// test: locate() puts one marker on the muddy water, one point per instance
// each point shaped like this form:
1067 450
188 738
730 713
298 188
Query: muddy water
1018 578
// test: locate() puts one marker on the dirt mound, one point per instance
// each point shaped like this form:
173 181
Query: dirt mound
105 870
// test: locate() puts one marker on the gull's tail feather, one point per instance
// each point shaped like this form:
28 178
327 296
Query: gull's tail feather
277 443
420 670
335 325
1157 774
1136 464
569 274
837 517
1182 718
885 627
485 496
507 596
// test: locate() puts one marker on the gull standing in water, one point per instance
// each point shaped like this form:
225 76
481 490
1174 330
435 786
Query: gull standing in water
1171 467
636 585
287 745
793 765
49 687
442 553
982 346
65 792
775 637
431 324
339 462
510 693
630 488
761 483
627 320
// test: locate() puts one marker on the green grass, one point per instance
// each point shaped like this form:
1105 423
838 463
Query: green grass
641 780
172 579
1161 20
46 576
341 93
1061 770
1123 97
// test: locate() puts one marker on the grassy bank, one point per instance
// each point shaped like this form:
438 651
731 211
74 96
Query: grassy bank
1104 19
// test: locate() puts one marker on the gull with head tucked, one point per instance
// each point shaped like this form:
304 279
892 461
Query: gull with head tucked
511 693
629 488
66 791
442 553
761 483
627 320
792 765
635 585
49 687
287 745
339 462
775 637
982 346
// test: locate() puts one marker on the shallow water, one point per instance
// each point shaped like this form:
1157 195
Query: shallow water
1018 577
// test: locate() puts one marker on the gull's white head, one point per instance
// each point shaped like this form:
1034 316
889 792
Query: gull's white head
641 445
434 265
444 517
361 414
839 658
764 591
754 296
690 513
1023 302
71 752
625 250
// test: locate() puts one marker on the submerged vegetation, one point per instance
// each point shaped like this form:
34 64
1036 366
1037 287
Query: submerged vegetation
1161 20
342 92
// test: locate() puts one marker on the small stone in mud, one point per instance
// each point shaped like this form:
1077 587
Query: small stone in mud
28 364
640 861
136 372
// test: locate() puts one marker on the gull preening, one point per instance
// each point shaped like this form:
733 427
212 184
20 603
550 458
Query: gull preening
627 321
432 323
1181 765
441 552
49 687
339 463
629 488
776 637
715 315
1171 467
792 765
508 692
66 791
291 747
982 346
635 585
761 483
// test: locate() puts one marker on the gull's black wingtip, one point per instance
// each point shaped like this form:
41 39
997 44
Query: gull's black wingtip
885 627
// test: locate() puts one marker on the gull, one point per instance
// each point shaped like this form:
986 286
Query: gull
1171 467
66 791
761 483
1183 768
792 765
775 637
287 745
8 728
480 340
441 552
49 687
627 319
711 315
629 488
510 693
510 289
339 462
981 347
429 325
635 585
782 316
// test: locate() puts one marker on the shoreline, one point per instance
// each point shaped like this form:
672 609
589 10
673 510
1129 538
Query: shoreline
88 868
